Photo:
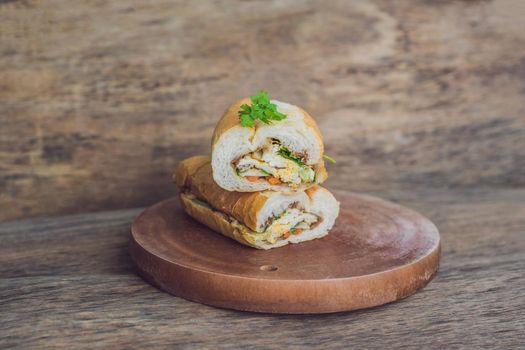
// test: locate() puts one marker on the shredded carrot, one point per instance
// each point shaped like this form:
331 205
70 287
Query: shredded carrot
252 178
273 180
286 234
298 231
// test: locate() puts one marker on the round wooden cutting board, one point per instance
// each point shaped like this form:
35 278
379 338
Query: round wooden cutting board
376 253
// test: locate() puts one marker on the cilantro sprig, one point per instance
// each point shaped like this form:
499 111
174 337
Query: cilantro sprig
261 109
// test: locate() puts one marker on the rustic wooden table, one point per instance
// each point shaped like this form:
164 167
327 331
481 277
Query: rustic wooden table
421 102
69 282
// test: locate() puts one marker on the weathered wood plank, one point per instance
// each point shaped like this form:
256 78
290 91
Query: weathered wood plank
99 101
68 282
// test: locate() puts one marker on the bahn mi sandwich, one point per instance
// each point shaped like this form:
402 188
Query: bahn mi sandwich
262 144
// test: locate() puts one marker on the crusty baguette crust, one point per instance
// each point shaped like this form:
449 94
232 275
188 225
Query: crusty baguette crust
214 220
320 172
230 119
195 174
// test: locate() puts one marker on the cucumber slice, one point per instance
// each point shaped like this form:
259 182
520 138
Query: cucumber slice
306 174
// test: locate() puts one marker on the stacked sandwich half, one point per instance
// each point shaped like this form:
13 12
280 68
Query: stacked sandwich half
261 185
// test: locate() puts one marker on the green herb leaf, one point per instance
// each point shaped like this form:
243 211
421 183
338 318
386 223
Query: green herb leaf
330 159
286 153
261 109
299 225
246 120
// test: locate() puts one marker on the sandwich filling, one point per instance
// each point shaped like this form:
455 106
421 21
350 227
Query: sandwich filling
292 221
275 164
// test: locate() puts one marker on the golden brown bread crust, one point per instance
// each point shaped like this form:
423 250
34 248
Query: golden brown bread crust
320 172
310 191
213 219
184 173
195 174
230 119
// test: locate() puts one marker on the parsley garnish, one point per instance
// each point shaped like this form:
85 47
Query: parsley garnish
261 109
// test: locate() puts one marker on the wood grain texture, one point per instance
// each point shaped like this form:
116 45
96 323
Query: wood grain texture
377 252
100 100
69 283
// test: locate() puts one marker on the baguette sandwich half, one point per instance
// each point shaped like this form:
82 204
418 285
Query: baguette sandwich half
284 155
262 220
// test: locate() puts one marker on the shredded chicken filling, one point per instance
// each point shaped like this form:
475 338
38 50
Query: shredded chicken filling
276 164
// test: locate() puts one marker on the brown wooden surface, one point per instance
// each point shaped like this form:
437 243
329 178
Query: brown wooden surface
421 102
68 282
99 100
376 253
